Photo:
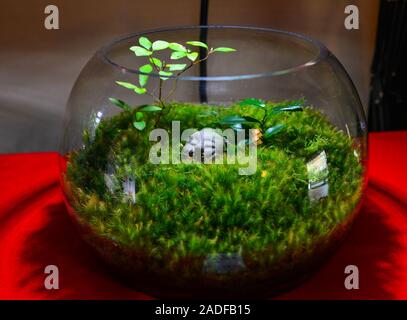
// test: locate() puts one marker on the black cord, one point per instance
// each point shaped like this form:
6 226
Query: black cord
388 96
203 36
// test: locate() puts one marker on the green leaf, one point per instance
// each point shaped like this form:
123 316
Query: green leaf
176 67
192 56
165 74
142 79
177 47
140 90
291 108
157 62
223 49
197 44
139 125
231 120
121 104
280 109
139 116
144 42
140 52
253 102
147 68
127 85
150 108
273 130
131 86
251 119
178 55
160 45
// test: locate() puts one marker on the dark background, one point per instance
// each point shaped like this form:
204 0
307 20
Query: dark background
388 99
38 67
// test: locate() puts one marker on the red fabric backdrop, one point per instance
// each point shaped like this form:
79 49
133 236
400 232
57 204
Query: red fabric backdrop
35 231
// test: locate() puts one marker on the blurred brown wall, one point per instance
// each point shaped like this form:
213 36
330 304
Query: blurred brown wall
38 67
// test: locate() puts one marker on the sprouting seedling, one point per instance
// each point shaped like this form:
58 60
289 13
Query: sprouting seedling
237 121
188 58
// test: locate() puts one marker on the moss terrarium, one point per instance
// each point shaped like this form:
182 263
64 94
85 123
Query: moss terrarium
213 161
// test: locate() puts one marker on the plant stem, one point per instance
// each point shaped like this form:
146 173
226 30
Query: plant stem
181 72
160 89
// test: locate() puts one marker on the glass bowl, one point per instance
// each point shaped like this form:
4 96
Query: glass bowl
217 161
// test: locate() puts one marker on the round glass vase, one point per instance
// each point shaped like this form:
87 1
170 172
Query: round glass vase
215 161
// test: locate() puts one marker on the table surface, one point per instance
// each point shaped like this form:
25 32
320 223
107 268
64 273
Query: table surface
35 231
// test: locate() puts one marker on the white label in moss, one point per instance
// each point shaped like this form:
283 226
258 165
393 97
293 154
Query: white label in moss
318 177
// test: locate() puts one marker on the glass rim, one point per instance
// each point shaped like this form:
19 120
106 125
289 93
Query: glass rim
322 53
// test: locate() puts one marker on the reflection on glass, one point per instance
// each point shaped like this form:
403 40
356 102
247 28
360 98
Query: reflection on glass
318 186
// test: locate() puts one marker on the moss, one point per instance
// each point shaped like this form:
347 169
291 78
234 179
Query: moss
189 211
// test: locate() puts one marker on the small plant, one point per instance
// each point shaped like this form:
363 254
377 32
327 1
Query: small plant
238 122
164 69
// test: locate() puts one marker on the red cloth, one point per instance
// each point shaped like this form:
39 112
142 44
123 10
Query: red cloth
35 231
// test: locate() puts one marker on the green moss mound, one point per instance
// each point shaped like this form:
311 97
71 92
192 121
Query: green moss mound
189 211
